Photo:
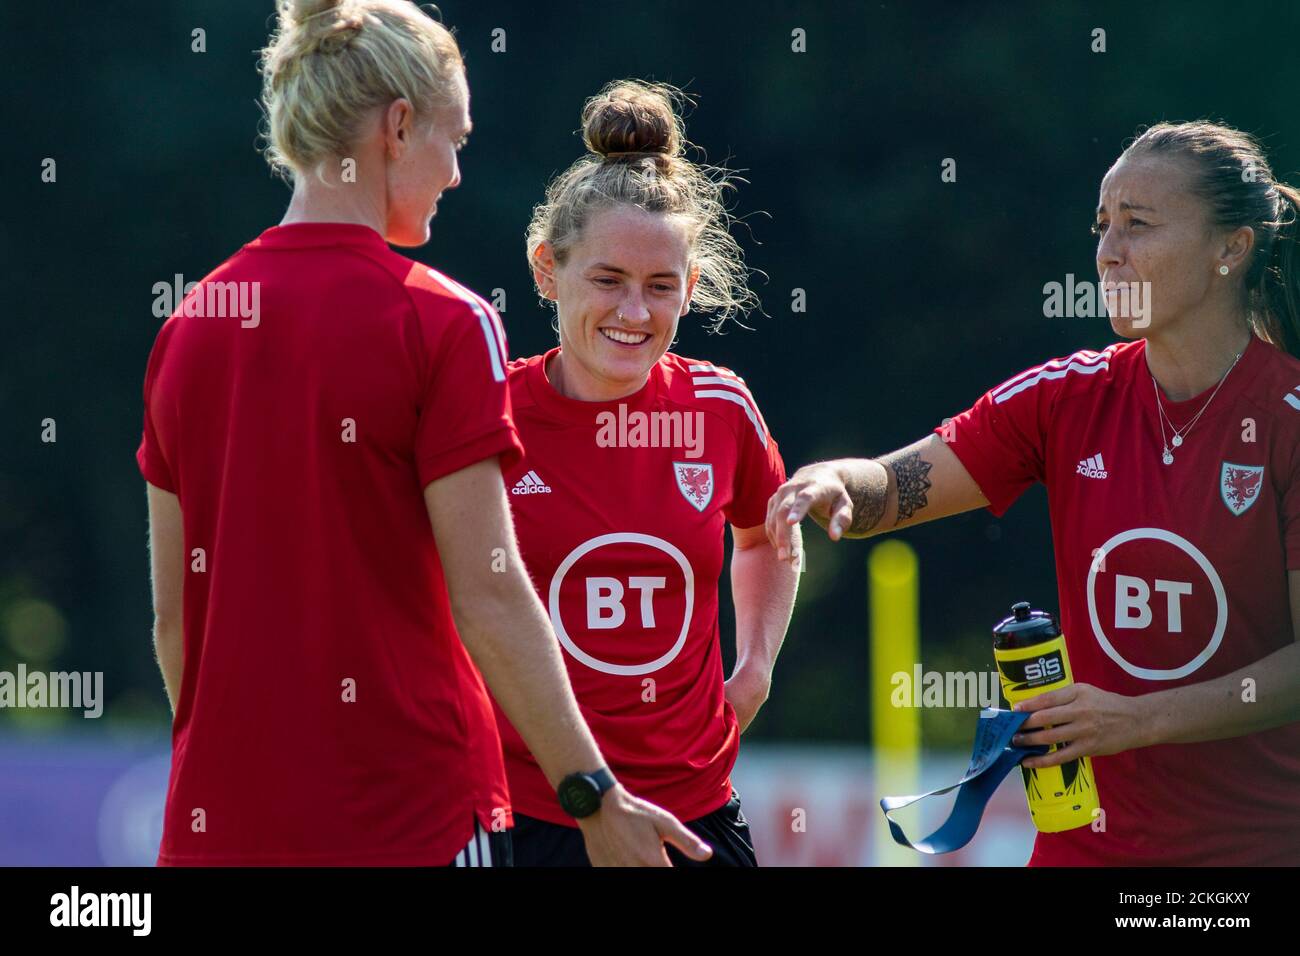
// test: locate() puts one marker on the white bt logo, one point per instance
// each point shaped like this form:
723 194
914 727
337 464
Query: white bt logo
625 605
1132 612
605 601
1092 467
1133 602
530 484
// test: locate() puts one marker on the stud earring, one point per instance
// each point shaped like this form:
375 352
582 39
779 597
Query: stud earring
1223 270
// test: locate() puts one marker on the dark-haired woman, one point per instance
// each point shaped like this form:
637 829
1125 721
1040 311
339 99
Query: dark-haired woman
636 461
1172 466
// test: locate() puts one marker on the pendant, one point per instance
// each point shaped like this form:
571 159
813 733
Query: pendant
1167 457
1178 440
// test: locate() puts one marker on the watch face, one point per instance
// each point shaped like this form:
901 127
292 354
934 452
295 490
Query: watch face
579 795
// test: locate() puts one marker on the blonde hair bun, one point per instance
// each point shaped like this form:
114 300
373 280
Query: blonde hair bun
330 62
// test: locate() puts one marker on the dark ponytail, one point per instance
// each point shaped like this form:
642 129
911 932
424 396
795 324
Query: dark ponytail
1280 285
1233 178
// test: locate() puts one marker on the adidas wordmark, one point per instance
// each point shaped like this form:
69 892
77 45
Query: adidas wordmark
1092 467
530 484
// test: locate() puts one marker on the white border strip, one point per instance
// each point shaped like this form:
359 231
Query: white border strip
493 334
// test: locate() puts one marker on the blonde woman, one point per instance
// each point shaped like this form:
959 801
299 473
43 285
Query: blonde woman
325 498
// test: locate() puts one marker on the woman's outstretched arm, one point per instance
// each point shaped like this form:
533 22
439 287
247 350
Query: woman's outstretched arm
860 497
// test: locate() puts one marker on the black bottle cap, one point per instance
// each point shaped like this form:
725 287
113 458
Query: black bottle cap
1025 627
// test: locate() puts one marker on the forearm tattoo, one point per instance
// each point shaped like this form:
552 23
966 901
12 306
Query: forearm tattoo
868 492
910 474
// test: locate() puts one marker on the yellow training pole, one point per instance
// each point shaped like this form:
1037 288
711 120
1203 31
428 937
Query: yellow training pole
893 594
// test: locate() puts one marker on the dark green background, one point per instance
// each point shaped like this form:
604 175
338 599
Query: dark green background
921 294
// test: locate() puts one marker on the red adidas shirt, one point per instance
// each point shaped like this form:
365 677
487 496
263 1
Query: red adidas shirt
1168 575
329 713
621 508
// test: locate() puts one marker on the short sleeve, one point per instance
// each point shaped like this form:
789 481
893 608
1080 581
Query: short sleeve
1002 439
759 471
149 457
464 414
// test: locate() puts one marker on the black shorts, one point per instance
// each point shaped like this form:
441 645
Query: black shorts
539 843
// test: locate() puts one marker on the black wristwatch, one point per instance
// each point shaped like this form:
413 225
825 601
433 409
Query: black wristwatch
580 793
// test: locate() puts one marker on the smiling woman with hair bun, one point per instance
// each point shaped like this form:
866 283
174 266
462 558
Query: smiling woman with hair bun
325 498
623 530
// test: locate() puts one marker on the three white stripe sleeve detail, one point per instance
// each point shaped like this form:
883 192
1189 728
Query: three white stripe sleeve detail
733 390
1085 363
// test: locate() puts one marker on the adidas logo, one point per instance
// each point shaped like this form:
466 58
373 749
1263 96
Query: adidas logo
1092 467
530 484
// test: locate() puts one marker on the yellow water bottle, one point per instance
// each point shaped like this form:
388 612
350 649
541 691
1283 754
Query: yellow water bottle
1030 653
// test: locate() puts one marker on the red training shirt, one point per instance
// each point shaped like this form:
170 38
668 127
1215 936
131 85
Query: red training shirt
624 542
329 713
1169 575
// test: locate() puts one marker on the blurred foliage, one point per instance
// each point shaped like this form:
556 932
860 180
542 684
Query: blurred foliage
921 294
